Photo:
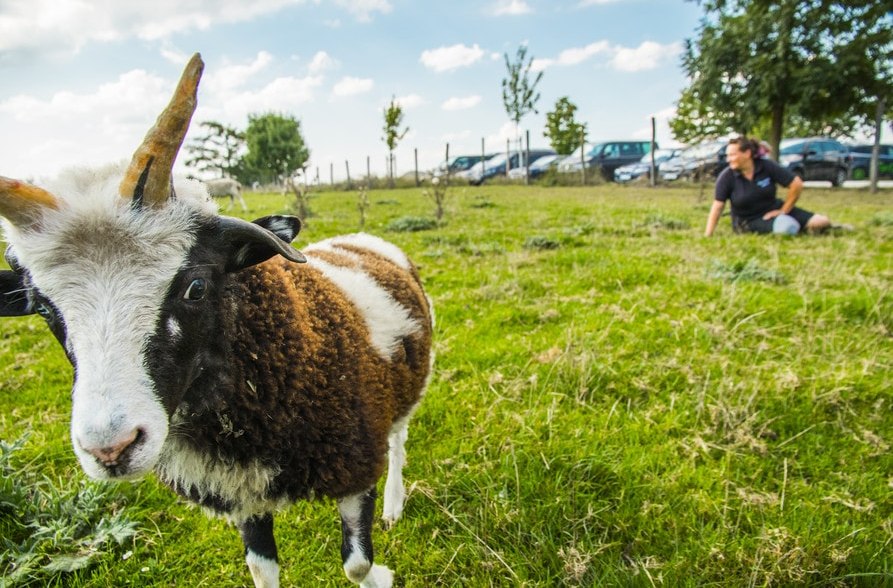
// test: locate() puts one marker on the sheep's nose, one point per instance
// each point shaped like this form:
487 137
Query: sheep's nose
108 455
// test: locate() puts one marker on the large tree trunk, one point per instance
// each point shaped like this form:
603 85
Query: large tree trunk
777 128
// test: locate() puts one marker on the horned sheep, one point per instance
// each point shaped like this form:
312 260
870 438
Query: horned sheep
205 350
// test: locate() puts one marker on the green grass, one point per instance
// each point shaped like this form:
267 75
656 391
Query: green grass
617 401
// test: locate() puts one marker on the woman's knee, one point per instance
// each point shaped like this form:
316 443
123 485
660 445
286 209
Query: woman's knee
818 222
784 224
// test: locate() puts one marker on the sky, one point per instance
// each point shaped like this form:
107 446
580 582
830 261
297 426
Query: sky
83 80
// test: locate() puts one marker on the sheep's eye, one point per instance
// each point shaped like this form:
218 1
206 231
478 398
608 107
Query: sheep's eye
43 310
196 290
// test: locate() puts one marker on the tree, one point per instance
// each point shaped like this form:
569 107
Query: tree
519 93
218 151
565 134
276 149
393 118
819 64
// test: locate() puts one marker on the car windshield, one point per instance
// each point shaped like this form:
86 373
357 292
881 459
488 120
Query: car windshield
792 147
463 163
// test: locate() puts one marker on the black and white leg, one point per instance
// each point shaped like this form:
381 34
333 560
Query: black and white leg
357 514
260 550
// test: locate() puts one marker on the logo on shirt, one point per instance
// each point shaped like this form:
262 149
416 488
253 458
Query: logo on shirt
764 182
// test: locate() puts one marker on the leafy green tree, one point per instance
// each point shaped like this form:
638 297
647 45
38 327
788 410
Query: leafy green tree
276 149
217 152
565 134
393 134
816 64
519 93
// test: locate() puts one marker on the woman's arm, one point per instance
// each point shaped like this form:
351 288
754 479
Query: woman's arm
713 217
794 190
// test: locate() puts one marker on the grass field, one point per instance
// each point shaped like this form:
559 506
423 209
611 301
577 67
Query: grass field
617 401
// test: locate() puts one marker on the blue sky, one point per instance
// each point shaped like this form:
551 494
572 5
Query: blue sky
85 79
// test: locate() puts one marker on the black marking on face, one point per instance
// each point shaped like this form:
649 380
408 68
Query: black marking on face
188 364
140 188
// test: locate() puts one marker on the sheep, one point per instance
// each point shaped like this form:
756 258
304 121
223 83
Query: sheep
245 373
221 187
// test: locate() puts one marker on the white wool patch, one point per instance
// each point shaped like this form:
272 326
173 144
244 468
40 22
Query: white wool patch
387 321
107 269
243 486
329 246
370 242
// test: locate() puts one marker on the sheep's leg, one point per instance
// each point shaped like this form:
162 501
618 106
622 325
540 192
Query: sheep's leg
357 514
260 550
394 494
242 202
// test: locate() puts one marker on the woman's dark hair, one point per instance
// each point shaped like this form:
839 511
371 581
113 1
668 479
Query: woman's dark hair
746 144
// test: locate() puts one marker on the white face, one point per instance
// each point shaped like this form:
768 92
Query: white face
106 282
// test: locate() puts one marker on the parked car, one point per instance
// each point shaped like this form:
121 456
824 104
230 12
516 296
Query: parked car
860 161
608 156
495 166
476 169
816 158
628 173
537 168
696 163
460 163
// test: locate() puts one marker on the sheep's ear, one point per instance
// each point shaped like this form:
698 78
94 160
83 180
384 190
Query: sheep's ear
285 227
13 301
252 243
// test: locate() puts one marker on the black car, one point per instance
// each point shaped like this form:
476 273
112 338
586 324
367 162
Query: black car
608 156
860 161
816 158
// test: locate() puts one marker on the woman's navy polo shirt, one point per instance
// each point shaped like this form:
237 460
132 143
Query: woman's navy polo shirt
752 198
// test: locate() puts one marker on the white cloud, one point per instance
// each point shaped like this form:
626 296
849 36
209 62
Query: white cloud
461 103
410 101
648 55
349 86
452 57
62 27
362 9
321 62
511 8
228 76
280 95
584 3
496 141
82 128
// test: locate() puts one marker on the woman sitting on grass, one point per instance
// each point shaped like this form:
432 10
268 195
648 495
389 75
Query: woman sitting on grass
749 182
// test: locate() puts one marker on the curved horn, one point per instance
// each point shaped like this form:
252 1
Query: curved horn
22 203
148 179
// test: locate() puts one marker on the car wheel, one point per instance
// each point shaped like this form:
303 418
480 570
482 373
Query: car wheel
839 177
859 173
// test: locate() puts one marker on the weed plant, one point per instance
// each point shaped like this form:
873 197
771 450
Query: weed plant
640 406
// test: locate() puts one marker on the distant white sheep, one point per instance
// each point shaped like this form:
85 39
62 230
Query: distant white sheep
205 352
227 187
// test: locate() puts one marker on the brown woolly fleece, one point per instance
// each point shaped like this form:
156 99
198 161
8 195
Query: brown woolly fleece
301 383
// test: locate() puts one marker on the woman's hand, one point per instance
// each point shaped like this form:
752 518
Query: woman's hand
772 214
